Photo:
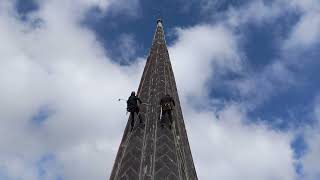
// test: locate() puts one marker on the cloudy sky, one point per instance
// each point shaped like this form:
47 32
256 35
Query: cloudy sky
247 73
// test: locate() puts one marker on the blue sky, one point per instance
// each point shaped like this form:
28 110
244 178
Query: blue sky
261 46
247 75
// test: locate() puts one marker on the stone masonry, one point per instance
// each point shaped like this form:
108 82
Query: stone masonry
152 152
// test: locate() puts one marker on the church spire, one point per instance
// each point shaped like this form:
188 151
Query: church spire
150 151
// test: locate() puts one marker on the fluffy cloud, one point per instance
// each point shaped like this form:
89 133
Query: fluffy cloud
261 85
226 148
51 63
58 65
200 49
224 145
310 160
302 36
307 30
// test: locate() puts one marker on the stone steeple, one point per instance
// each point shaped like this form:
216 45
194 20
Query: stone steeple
152 152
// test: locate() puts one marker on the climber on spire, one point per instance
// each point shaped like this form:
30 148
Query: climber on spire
167 104
132 107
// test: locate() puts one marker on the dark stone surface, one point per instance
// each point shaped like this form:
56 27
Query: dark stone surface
152 152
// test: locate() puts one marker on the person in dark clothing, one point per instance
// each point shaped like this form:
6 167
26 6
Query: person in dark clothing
132 107
167 104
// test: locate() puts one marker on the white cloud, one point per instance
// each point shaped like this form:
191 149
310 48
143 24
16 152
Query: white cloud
257 86
306 32
224 143
61 65
198 52
226 148
256 12
311 159
114 7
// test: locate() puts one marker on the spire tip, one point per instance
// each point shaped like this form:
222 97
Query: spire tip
159 21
